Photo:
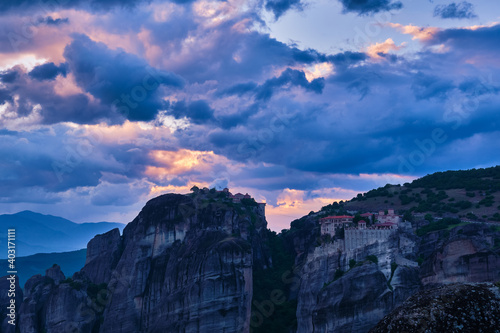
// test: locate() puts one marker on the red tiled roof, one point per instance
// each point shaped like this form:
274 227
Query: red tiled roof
386 224
362 221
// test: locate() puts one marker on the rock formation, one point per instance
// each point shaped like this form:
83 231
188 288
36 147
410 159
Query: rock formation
352 291
183 265
449 308
335 297
187 263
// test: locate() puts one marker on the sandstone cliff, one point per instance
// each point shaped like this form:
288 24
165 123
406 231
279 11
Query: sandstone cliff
183 265
350 291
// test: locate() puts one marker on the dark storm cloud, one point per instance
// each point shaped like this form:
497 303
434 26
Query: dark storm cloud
61 159
5 96
289 77
49 5
480 40
461 10
199 112
47 71
366 7
279 7
402 102
239 89
50 21
347 58
8 76
54 108
237 118
360 119
263 92
120 80
430 86
258 53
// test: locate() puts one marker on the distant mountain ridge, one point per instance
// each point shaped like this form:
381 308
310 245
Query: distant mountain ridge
38 233
70 262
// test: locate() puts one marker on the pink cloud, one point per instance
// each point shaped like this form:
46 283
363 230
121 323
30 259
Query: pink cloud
419 33
374 50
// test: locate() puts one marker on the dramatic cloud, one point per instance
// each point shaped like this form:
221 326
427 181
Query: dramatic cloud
461 10
50 21
120 80
288 77
378 50
365 7
198 112
49 6
421 33
47 71
103 107
279 7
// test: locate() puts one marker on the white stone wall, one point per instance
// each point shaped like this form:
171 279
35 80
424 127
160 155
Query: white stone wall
355 238
328 229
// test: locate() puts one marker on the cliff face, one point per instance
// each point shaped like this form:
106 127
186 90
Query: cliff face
351 291
337 297
197 263
183 265
467 254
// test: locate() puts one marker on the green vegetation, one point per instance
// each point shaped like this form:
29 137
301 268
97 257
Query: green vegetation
496 243
323 239
487 201
372 258
336 208
338 274
93 289
73 284
495 228
405 199
471 180
408 216
452 226
471 216
440 193
269 281
443 224
249 202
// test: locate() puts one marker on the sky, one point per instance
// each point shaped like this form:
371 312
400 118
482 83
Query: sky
107 104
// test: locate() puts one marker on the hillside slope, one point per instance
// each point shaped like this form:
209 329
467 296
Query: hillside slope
470 194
